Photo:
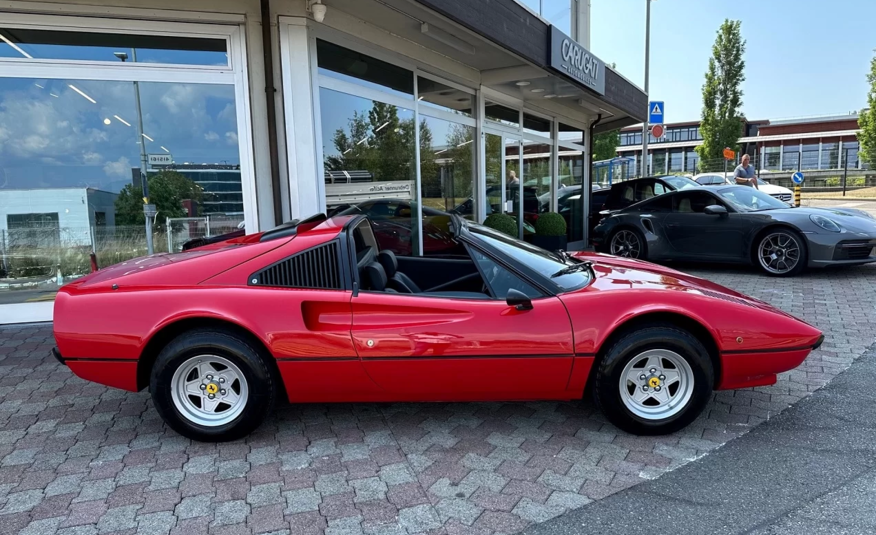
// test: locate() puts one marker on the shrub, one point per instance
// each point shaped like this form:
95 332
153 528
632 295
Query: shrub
857 181
503 223
550 224
832 182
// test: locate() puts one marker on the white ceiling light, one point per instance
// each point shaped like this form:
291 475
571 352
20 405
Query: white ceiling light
124 122
74 88
107 121
522 83
15 47
536 90
147 137
550 95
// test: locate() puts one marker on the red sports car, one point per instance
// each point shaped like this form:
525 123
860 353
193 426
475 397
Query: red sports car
314 312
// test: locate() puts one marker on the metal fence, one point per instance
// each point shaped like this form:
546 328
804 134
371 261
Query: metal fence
183 229
57 254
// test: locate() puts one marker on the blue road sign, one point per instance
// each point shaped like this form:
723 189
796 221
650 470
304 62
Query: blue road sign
797 177
655 112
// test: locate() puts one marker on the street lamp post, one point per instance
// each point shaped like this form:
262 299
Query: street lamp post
647 62
141 139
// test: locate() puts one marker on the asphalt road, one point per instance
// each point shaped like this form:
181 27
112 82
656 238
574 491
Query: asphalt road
851 202
812 469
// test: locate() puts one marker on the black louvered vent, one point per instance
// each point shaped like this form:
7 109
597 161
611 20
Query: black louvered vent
315 268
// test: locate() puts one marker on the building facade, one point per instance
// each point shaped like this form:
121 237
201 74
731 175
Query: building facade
780 145
437 101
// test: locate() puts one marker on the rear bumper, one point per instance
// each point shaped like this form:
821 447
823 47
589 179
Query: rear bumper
115 373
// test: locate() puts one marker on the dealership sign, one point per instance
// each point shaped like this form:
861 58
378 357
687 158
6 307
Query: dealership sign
160 159
575 61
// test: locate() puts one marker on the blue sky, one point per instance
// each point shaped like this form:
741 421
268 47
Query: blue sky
803 57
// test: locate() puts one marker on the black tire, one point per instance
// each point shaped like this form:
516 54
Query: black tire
631 345
791 234
251 363
643 245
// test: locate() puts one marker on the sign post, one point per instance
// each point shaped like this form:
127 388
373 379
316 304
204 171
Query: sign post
798 179
729 154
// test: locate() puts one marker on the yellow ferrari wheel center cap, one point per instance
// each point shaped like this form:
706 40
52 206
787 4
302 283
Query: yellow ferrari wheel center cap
212 388
654 382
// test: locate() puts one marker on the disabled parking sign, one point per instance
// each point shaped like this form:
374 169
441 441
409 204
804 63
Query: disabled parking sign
797 177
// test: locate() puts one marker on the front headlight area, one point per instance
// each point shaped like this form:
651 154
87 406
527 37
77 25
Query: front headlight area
827 224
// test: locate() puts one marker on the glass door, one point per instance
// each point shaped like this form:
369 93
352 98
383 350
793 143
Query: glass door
504 180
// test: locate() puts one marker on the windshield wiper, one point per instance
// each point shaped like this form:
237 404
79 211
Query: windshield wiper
574 268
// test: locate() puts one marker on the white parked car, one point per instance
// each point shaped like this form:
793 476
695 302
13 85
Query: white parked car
778 192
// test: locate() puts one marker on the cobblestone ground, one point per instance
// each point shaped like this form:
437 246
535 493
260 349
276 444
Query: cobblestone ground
77 458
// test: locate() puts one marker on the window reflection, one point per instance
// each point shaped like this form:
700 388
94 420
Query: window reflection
447 167
369 156
345 64
92 46
436 95
70 182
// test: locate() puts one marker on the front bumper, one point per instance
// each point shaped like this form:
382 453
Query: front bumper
840 249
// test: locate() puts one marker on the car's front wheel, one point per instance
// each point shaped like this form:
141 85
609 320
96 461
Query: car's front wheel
654 380
781 252
211 386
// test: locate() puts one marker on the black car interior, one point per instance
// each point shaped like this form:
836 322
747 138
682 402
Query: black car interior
383 271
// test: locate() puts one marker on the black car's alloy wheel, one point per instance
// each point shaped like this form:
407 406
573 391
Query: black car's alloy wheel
654 380
781 253
210 385
627 243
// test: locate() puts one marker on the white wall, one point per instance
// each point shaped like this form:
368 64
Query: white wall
71 205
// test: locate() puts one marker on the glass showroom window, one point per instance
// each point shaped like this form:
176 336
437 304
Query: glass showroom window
829 155
772 157
368 110
570 174
77 138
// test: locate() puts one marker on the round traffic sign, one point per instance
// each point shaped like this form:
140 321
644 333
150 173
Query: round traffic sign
797 177
657 131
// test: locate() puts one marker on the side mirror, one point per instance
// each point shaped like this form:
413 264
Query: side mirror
518 300
715 209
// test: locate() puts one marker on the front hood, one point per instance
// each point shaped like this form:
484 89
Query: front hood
851 220
770 189
616 273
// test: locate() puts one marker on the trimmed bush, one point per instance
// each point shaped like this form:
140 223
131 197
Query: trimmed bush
550 224
503 223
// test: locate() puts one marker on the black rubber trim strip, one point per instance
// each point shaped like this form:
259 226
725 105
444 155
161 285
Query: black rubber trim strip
779 350
58 357
448 357
91 359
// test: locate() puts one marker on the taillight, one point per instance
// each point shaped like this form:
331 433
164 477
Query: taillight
93 262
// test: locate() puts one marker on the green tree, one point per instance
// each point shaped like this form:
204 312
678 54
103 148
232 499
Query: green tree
867 120
167 190
605 145
721 124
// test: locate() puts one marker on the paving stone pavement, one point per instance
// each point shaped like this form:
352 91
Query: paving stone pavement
81 459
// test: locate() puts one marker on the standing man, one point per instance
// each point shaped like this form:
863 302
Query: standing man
744 173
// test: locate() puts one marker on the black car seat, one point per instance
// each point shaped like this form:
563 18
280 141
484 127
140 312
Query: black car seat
376 278
397 280
684 206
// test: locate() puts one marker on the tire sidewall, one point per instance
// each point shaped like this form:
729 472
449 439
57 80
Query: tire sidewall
252 366
804 252
630 346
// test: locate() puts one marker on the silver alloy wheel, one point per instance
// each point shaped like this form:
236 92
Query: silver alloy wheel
209 390
779 253
656 384
625 243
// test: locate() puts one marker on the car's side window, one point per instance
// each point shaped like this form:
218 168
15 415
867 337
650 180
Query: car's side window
499 279
693 202
659 189
658 205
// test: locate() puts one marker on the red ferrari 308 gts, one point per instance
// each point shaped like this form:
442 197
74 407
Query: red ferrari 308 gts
315 312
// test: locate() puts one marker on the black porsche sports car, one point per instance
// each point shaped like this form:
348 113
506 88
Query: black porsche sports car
738 224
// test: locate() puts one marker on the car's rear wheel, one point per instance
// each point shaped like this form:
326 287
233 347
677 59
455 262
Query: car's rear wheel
211 386
654 380
781 253
627 243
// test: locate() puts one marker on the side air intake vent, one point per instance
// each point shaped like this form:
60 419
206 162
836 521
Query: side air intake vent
315 268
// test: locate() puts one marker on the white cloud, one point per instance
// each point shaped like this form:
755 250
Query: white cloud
231 138
91 158
211 136
120 167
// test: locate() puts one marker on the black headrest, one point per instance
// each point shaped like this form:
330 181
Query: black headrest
389 262
376 276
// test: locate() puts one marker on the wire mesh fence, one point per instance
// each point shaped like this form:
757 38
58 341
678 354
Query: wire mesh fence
183 229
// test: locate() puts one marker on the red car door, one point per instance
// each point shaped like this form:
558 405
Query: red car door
418 347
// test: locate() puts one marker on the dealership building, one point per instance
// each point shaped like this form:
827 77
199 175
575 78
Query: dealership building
298 96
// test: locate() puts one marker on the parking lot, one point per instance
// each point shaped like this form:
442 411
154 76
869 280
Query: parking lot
78 458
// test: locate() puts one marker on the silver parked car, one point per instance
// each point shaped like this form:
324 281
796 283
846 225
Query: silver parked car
738 224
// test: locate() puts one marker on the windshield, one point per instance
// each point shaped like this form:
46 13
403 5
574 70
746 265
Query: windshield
560 269
748 199
680 182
